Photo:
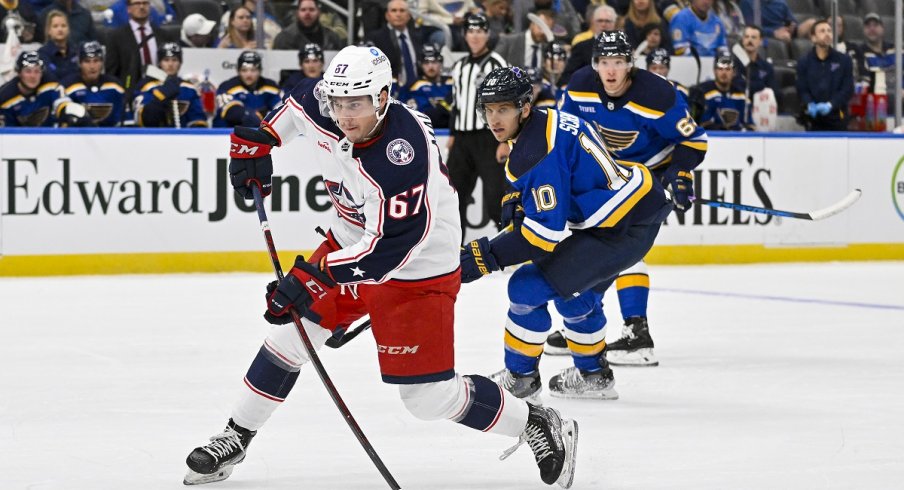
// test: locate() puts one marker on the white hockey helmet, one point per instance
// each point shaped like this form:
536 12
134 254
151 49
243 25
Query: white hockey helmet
357 71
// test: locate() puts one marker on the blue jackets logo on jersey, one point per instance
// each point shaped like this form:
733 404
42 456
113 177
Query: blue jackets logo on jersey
399 152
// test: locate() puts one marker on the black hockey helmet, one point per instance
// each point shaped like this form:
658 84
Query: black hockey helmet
509 84
90 50
249 58
555 50
28 58
169 50
310 51
477 21
431 52
659 56
612 44
723 59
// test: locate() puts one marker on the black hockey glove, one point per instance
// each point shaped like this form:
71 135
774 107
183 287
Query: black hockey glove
250 162
170 88
512 210
477 260
305 288
681 183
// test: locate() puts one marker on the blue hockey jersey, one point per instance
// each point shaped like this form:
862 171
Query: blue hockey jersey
103 99
650 124
725 110
432 98
569 181
32 110
238 105
152 110
704 35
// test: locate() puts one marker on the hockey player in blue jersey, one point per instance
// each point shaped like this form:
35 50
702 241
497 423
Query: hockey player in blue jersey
577 203
660 62
432 93
725 107
32 98
310 64
154 106
245 99
643 121
99 93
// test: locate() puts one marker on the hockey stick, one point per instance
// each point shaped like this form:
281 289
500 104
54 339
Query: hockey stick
337 342
823 213
696 56
158 74
312 354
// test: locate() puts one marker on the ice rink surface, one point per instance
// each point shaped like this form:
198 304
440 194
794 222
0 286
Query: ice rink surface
771 376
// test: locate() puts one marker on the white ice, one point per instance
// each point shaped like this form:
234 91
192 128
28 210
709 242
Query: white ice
793 377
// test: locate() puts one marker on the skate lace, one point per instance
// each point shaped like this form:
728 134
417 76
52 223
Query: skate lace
572 377
224 442
505 376
626 333
535 439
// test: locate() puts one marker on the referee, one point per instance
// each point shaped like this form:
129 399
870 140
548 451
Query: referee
472 147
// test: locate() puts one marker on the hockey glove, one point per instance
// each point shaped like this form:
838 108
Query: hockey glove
824 108
169 89
250 161
812 110
681 183
75 115
477 260
307 288
512 210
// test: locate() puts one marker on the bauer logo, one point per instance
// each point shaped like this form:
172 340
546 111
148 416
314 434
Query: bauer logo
897 188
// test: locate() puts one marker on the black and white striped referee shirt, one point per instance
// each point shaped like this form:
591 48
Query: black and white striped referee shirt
467 73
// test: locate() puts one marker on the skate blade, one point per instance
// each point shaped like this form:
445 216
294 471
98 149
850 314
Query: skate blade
556 351
570 437
194 478
640 357
590 395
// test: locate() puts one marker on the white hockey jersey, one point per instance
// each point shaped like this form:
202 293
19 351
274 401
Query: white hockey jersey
396 210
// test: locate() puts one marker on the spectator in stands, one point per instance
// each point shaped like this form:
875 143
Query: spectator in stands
660 62
602 18
777 19
160 13
554 60
432 93
81 25
160 100
758 73
99 93
875 54
697 27
21 14
197 32
732 18
655 36
32 99
725 107
400 41
307 29
525 49
272 27
566 16
245 99
825 82
642 13
669 8
310 64
59 53
132 47
499 13
450 13
240 31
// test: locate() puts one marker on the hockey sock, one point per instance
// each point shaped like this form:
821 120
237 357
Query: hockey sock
528 319
269 380
585 328
489 408
633 292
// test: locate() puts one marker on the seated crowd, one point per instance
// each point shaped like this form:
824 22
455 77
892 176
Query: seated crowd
115 63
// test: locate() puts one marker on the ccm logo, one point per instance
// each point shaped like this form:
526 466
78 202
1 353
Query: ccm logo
315 289
397 349
244 149
325 146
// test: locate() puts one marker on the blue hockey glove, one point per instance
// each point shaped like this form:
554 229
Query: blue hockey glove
681 183
477 260
170 88
812 109
250 161
824 108
512 210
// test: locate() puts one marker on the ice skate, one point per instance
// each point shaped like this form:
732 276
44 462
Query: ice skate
574 383
215 461
554 441
527 387
634 347
556 345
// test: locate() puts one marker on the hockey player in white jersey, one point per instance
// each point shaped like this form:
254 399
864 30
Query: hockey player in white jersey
397 261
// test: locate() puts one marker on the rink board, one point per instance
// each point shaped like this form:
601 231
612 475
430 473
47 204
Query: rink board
93 201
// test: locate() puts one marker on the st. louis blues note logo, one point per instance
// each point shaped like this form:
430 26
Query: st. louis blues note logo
399 152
